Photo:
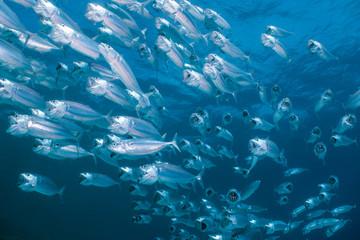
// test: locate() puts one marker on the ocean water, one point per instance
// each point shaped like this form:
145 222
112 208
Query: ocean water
105 213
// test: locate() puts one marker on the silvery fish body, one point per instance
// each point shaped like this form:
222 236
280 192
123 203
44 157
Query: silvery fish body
354 101
317 48
37 127
145 52
120 67
250 189
277 32
197 162
320 151
224 151
9 18
226 119
197 122
96 13
342 209
85 69
196 80
129 174
71 110
107 35
214 21
283 108
261 124
139 147
273 43
46 10
139 8
171 32
227 47
220 83
346 123
167 47
294 171
135 127
139 205
266 147
187 146
284 188
314 135
13 60
30 182
326 97
111 91
331 230
96 179
294 122
193 10
20 95
79 42
316 214
341 140
223 133
228 70
275 92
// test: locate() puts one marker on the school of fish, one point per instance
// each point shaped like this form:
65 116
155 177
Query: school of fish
134 142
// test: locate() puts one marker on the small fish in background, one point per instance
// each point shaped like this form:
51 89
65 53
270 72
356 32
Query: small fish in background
316 214
275 93
341 140
31 182
283 108
346 123
226 119
96 179
312 202
197 80
284 188
320 151
224 134
277 32
269 41
214 21
326 97
228 47
141 219
138 190
139 205
353 101
261 124
197 122
342 209
206 116
294 171
167 47
294 122
262 93
334 228
245 116
317 48
210 192
283 200
315 134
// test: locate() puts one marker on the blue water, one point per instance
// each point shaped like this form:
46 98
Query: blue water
105 213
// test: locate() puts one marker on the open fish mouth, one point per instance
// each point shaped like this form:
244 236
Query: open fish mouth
158 197
233 196
253 123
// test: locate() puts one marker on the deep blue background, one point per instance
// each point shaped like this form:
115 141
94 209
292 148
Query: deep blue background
96 213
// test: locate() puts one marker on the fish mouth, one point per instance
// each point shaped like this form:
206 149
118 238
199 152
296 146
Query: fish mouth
316 131
203 226
82 179
289 187
209 193
332 180
245 113
132 188
182 143
158 197
320 148
217 130
311 44
227 117
285 200
197 142
333 140
292 117
167 210
233 196
134 205
253 123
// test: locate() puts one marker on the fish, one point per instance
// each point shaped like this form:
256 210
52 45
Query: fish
294 122
317 48
167 47
227 47
213 20
96 179
223 133
135 127
20 95
111 91
140 147
226 119
341 140
325 98
261 124
120 67
342 209
353 101
33 182
196 80
269 41
314 135
141 219
282 109
320 151
249 191
86 69
346 123
277 32
68 37
284 188
294 171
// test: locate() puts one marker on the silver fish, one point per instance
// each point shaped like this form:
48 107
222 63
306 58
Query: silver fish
354 101
223 133
213 20
261 124
346 123
326 97
277 32
167 47
79 42
30 182
341 140
197 80
273 43
314 135
317 48
85 69
96 179
20 95
9 18
320 151
120 67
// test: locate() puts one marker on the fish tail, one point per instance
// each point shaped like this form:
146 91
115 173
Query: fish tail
95 159
61 194
174 144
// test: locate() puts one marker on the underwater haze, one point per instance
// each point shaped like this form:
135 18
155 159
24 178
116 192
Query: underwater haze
290 65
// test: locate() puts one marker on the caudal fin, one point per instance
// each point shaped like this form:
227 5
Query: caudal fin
174 144
61 194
